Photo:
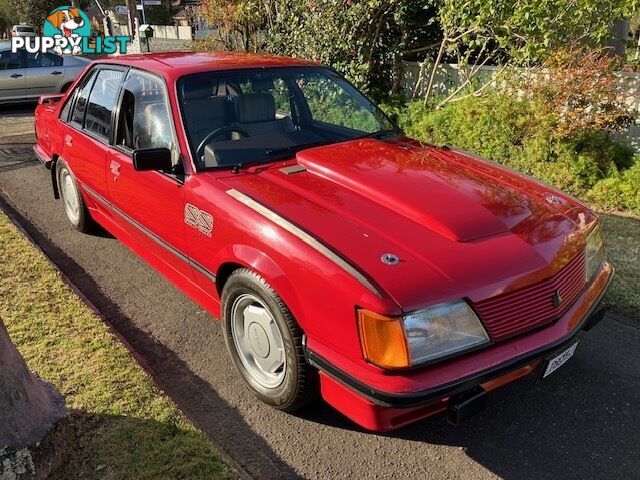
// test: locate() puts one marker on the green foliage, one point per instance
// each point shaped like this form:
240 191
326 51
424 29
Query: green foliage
34 12
527 30
363 39
521 135
8 15
621 190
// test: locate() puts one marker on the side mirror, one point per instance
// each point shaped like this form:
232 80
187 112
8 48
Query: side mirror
152 159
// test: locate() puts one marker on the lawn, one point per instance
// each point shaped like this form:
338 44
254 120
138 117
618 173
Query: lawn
126 428
622 237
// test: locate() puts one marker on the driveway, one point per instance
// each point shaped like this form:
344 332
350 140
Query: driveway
581 422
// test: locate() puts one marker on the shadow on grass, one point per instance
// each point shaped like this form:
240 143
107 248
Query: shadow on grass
109 446
196 398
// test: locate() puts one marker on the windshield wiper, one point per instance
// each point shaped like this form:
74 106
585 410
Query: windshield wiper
291 149
380 134
286 152
279 154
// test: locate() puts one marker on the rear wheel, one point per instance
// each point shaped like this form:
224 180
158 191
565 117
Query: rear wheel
74 205
265 343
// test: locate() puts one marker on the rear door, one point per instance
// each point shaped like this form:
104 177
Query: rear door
88 131
12 75
44 74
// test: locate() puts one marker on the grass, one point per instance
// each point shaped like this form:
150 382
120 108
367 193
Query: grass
622 237
126 428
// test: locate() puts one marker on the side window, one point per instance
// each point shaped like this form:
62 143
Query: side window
144 114
104 95
39 59
330 102
10 61
82 96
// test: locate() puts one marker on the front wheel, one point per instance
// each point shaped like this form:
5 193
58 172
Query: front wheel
74 206
265 343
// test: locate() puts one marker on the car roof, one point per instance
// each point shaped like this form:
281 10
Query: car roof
176 64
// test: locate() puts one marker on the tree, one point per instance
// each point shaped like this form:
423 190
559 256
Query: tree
237 22
8 15
519 33
29 410
361 38
34 12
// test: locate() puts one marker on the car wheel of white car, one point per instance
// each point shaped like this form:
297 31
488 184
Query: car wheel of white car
74 206
265 342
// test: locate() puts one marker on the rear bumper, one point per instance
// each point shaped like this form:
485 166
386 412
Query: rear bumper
375 409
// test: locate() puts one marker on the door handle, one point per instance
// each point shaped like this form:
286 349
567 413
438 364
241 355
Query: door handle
68 140
115 169
16 75
56 73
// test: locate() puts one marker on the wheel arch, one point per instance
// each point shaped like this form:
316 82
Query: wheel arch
258 261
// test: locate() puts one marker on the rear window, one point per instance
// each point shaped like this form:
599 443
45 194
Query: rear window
102 100
82 95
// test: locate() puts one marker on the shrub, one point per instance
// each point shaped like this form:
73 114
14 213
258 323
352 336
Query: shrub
521 134
620 191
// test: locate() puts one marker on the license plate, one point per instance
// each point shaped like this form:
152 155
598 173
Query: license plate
556 362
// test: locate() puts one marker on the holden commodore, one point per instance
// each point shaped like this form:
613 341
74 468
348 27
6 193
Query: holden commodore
394 279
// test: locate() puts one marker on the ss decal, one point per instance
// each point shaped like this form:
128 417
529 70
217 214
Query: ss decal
196 218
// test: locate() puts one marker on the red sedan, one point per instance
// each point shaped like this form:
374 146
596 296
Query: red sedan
393 278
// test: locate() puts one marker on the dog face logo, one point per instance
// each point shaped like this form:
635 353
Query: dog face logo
67 22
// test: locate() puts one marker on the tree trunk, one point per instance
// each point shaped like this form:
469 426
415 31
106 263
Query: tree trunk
30 409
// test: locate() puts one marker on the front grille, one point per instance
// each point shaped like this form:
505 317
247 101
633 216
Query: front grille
530 307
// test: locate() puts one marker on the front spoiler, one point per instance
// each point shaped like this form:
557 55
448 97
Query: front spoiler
431 395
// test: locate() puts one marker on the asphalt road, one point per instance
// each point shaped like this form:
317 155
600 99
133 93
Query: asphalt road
581 422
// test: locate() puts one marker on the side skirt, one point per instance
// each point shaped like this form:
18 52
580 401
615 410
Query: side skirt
186 285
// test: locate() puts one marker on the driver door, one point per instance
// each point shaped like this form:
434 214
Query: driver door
149 204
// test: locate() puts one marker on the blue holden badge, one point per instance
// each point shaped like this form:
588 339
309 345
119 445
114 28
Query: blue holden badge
68 30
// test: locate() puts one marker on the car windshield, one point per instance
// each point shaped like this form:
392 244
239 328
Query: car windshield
242 117
25 29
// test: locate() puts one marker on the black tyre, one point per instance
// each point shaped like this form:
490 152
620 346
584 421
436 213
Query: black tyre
265 343
74 206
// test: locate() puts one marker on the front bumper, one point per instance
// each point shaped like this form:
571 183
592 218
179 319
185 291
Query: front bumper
377 409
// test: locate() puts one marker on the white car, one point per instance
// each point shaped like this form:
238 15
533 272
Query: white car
25 76
23 31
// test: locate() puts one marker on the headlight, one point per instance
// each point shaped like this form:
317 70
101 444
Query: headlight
435 332
594 252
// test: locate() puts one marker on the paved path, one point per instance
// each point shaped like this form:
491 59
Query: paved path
582 422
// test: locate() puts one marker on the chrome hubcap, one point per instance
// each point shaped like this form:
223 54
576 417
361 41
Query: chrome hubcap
258 341
70 196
